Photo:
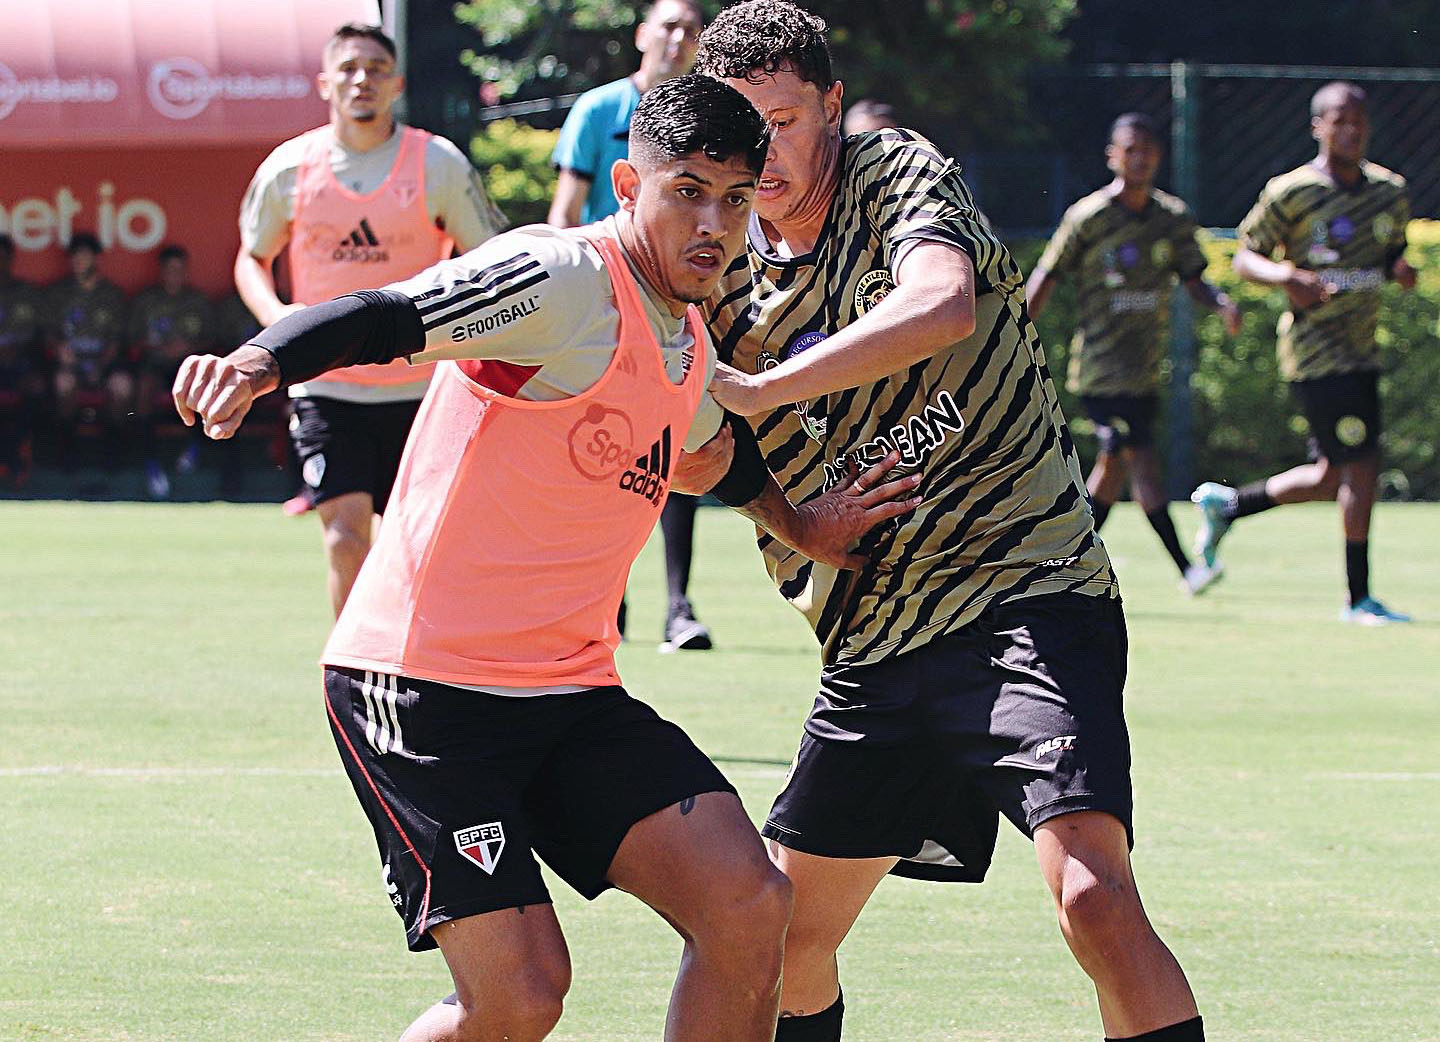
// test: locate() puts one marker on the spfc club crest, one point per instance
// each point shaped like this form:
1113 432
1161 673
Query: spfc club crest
406 192
481 845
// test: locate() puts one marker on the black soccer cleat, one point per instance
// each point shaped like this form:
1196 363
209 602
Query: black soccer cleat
683 632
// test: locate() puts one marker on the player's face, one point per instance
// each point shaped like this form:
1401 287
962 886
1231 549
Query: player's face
804 143
360 81
83 263
173 274
667 39
689 217
1133 156
1343 131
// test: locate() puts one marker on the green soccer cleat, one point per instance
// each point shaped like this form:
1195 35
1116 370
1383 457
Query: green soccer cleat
1212 498
1371 612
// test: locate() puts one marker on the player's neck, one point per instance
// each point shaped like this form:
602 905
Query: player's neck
363 137
643 264
1341 171
1134 197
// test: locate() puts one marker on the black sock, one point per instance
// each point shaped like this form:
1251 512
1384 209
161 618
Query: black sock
1357 570
1191 1030
817 1027
1159 519
677 523
1251 499
1101 512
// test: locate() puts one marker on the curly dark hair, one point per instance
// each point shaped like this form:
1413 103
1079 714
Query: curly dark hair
692 114
758 38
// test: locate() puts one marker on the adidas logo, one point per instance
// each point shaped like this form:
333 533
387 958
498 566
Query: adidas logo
361 246
650 476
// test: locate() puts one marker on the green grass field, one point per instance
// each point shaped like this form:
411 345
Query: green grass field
183 859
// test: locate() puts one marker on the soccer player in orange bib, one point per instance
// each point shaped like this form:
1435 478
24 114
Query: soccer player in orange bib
470 680
355 204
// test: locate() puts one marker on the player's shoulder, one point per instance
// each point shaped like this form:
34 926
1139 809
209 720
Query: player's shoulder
873 150
285 158
1088 207
1304 178
1172 205
442 153
562 257
1377 174
610 95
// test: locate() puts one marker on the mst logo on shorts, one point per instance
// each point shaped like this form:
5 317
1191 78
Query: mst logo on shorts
481 845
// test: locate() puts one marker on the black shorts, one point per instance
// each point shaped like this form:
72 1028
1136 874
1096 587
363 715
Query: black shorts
1122 420
464 788
344 447
1343 412
1020 712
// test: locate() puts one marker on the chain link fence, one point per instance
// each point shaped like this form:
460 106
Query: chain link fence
1230 127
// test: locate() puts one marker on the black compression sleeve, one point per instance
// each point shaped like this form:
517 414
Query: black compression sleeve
747 474
371 326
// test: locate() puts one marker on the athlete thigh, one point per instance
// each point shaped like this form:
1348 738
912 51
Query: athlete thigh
494 956
618 765
1037 709
830 892
679 860
336 449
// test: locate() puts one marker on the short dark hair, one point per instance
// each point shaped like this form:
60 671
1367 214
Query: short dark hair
1334 95
174 251
692 114
759 38
1138 122
82 241
7 244
360 31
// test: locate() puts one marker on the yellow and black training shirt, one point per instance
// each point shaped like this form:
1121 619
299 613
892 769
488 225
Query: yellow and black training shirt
1004 513
1125 263
1350 237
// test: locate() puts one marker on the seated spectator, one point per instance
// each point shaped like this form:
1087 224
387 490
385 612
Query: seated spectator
85 320
21 382
168 321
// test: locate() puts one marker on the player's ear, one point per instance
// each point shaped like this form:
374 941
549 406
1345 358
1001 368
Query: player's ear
625 180
322 84
832 101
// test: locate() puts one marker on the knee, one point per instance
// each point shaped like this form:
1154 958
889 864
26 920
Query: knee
1326 479
1094 906
345 540
531 1008
751 915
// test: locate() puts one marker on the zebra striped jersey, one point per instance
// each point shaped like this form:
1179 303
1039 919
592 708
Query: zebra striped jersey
1004 513
1350 237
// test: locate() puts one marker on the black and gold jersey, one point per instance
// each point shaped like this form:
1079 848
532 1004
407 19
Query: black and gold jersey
1004 513
1350 237
21 313
1125 263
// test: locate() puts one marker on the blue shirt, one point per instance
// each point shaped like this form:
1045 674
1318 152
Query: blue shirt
595 134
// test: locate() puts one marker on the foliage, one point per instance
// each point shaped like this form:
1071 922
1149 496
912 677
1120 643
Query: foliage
515 162
955 62
1245 421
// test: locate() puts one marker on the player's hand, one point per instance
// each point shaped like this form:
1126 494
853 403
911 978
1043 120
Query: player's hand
220 391
698 472
1230 314
832 523
739 392
1403 273
1306 289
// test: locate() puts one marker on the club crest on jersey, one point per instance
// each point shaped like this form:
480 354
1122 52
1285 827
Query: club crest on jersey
600 442
1383 227
405 192
1161 252
481 845
873 287
1320 251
